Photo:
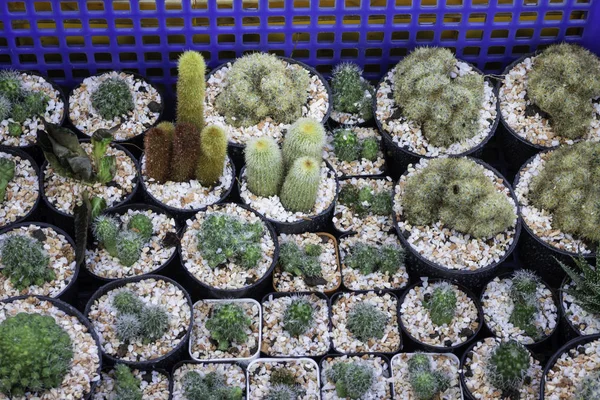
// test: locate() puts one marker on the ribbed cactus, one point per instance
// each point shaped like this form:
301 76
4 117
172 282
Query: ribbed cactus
7 173
442 304
346 145
370 149
213 150
298 317
352 380
191 87
158 146
304 138
105 231
129 247
264 166
142 225
299 192
508 366
186 151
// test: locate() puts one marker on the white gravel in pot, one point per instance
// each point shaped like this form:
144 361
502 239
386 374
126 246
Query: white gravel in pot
54 112
346 220
103 316
64 193
62 261
476 375
540 221
354 279
153 384
305 370
202 347
154 253
535 129
445 363
498 306
417 320
287 282
380 388
316 107
189 195
447 247
230 276
361 166
233 373
86 359
272 208
583 322
277 341
85 118
22 191
345 342
407 134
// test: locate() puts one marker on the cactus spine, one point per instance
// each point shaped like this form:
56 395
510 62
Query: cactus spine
213 150
186 149
264 166
191 88
442 305
508 366
305 137
299 192
158 146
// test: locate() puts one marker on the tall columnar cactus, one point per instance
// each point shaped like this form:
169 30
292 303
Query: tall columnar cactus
264 166
127 386
25 262
425 382
525 301
366 322
352 380
213 150
442 304
112 98
304 138
589 388
508 365
351 93
299 191
298 317
158 152
186 151
227 324
562 82
167 127
7 173
191 88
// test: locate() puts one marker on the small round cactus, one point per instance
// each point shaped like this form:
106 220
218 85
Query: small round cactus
352 380
508 366
7 173
127 303
127 386
228 323
426 384
351 93
298 317
264 166
106 229
11 85
154 322
370 149
15 129
282 392
128 327
391 258
213 151
382 203
442 305
346 145
142 225
25 262
589 388
301 185
208 387
5 107
32 104
129 247
304 138
366 321
363 258
112 98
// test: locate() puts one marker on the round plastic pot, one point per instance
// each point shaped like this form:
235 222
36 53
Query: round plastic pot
70 310
279 360
313 223
380 355
184 362
166 361
202 291
107 369
33 214
471 279
568 330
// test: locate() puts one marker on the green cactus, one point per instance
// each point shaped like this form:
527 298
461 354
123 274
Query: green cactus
351 93
348 195
363 258
442 304
346 145
302 262
186 152
228 324
508 366
282 392
301 185
158 150
370 149
128 327
127 386
298 317
106 229
391 259
213 151
15 129
126 302
586 282
5 108
191 88
366 321
7 173
11 85
25 262
589 387
282 376
382 203
525 301
168 128
142 225
264 166
154 322
212 386
32 104
365 200
112 98
304 138
426 384
129 247
352 380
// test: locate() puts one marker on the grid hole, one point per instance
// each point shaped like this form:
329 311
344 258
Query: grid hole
574 31
349 53
427 19
425 36
453 18
78 58
350 37
471 51
449 35
402 19
103 57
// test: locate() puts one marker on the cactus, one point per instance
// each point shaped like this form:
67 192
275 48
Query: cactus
128 327
213 150
129 247
5 108
154 322
25 262
282 376
391 258
304 138
351 93
15 129
158 146
191 87
302 262
370 149
586 283
127 303
508 365
228 324
7 173
301 185
366 322
105 231
282 392
589 387
142 225
298 317
364 200
426 384
442 304
35 354
127 386
186 151
212 386
525 301
11 85
382 203
264 166
168 128
346 145
362 258
112 98
352 380
30 105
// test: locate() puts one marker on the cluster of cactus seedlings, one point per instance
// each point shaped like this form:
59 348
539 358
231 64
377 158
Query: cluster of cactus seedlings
457 193
351 93
18 103
352 380
7 173
284 386
426 383
348 147
137 320
589 388
228 324
211 386
367 259
35 354
586 280
508 366
441 304
525 301
364 201
366 322
127 386
302 262
298 317
112 98
123 242
25 262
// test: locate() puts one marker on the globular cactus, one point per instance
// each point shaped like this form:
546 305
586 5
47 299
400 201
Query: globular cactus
11 85
158 151
346 145
5 107
112 98
106 229
370 149
352 380
298 317
302 262
186 152
127 303
363 258
426 384
304 138
351 93
213 151
15 129
227 324
282 376
129 247
442 304
191 88
589 387
212 386
508 366
128 327
391 259
382 203
366 321
25 262
282 392
525 301
264 166
127 386
301 185
7 173
154 322
142 225
30 105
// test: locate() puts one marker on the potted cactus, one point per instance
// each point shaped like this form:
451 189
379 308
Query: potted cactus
121 382
283 378
458 217
19 186
355 377
432 104
47 350
365 322
199 381
295 325
352 95
27 100
141 321
226 330
354 151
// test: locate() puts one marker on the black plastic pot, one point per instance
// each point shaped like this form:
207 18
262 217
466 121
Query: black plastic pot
568 330
200 290
380 355
166 361
147 375
313 223
471 279
71 311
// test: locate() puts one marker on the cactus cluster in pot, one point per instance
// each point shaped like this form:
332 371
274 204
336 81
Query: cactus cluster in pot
426 382
302 262
352 380
227 324
25 262
351 92
364 201
348 147
523 295
366 321
367 258
138 320
213 385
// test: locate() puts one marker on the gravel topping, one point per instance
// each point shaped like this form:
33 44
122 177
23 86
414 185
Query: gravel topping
498 306
54 113
103 317
380 388
345 342
540 221
277 342
205 348
86 359
446 363
153 384
272 208
62 261
22 191
305 370
188 195
145 99
230 276
476 375
286 282
448 247
356 167
407 134
64 193
525 120
417 320
316 107
584 322
154 253
233 373
355 280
